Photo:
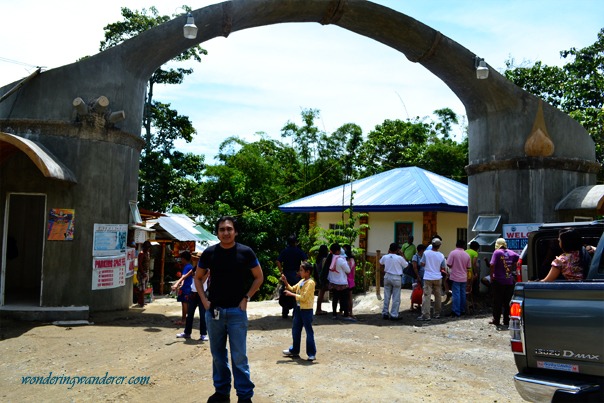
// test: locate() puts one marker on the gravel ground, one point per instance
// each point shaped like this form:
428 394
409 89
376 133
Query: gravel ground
372 360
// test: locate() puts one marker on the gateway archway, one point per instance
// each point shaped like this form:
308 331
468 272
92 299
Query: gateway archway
524 157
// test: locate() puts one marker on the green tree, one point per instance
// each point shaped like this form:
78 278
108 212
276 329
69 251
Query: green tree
326 160
577 88
420 142
250 181
394 144
167 178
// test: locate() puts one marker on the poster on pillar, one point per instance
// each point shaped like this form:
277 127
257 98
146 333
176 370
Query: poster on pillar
109 239
61 222
108 272
130 259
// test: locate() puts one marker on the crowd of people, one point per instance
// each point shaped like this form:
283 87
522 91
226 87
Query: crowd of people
220 281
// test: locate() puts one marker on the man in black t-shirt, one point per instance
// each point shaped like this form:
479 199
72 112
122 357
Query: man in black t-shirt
231 265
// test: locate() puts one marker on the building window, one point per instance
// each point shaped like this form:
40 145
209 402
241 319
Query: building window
462 233
336 228
402 230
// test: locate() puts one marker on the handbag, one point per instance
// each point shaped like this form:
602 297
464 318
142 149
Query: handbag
417 295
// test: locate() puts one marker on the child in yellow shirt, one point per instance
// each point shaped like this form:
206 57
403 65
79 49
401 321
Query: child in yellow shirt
304 292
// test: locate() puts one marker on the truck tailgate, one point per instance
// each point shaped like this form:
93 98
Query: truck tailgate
566 331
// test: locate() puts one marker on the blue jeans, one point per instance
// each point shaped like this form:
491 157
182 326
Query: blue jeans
303 318
459 297
194 302
232 322
392 289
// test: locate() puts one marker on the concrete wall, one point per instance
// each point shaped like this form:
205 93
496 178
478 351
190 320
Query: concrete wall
107 174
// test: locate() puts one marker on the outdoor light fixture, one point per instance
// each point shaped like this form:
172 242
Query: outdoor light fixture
482 71
190 29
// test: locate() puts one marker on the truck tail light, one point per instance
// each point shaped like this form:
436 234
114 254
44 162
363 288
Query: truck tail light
519 271
516 329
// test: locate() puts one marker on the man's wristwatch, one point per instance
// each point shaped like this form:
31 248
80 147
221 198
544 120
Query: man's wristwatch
248 297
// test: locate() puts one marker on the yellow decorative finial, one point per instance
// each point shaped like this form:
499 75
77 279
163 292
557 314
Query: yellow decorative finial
538 143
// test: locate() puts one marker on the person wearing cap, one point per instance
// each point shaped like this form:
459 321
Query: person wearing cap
502 264
432 261
393 277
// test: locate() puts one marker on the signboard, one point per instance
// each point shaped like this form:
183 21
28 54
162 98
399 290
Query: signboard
516 235
109 239
108 272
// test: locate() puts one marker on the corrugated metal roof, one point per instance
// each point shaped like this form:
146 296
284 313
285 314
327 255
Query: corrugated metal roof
182 228
400 189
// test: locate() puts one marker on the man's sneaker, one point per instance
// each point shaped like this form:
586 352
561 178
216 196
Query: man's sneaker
204 337
246 400
311 358
183 336
385 316
288 353
423 318
219 398
349 319
436 316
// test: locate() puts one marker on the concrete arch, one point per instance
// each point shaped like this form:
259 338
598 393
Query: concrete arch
501 116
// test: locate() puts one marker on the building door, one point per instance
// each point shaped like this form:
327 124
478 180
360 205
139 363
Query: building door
22 264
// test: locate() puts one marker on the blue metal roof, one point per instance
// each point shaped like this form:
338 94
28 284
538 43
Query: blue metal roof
400 189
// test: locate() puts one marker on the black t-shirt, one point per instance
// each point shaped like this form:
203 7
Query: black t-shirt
230 273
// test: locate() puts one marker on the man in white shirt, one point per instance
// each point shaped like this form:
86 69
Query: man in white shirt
393 276
432 261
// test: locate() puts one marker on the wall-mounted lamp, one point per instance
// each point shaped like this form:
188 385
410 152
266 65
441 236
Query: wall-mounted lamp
190 29
482 71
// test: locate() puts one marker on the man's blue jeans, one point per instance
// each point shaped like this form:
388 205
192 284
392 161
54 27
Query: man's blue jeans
232 322
303 319
392 289
459 297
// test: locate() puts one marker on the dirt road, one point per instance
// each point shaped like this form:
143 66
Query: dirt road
373 360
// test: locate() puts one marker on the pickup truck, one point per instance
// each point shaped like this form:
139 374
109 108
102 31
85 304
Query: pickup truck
557 328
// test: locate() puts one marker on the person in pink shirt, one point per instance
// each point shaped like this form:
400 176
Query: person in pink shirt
352 264
459 262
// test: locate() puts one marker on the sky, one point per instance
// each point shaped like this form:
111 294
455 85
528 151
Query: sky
258 79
